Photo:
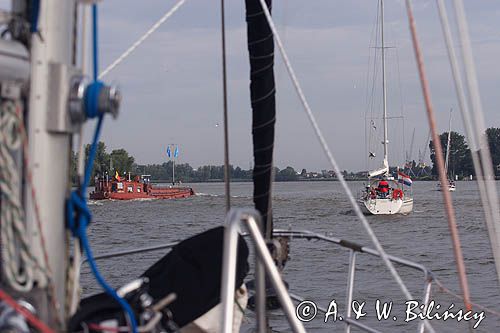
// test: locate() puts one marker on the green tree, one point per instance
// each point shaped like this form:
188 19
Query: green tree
287 174
460 159
493 135
101 161
122 161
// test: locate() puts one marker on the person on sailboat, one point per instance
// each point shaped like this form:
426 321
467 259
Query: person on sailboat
383 188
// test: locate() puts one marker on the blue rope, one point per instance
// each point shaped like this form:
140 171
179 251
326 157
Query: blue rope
35 10
77 201
91 99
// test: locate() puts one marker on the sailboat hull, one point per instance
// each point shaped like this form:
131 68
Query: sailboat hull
451 187
387 206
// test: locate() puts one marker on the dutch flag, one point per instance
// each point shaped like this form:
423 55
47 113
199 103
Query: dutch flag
404 179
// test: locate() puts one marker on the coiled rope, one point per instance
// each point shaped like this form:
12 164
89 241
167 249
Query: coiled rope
18 260
15 134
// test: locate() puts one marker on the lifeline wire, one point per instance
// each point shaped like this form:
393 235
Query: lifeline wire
142 39
335 166
450 212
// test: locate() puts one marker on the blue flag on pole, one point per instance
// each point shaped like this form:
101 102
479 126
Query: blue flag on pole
176 151
168 151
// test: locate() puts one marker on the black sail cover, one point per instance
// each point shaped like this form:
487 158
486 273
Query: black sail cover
262 94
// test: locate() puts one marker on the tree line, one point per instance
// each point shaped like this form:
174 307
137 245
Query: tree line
460 159
119 160
206 173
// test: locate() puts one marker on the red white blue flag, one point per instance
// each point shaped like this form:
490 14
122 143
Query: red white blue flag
404 179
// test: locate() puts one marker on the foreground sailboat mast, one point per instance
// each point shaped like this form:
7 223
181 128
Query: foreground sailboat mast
384 88
49 141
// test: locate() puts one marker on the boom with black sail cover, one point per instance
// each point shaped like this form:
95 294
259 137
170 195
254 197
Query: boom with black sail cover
262 93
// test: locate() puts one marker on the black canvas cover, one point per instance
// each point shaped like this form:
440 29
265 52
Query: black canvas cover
262 95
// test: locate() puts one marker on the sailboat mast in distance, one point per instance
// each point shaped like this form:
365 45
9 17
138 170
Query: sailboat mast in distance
447 159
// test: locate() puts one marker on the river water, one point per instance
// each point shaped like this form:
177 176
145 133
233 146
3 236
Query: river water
317 271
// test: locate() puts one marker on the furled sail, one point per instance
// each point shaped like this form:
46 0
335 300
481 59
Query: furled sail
378 172
262 93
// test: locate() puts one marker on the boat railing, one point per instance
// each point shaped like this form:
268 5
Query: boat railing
250 219
355 249
264 263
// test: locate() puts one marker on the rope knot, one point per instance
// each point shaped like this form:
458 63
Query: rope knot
79 215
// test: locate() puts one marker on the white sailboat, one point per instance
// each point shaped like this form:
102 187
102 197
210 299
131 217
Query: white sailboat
379 197
451 182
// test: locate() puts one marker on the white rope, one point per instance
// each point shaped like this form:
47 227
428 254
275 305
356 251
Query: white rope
18 260
472 134
142 39
334 164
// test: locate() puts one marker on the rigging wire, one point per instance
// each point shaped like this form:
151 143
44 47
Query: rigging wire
335 166
224 102
148 33
468 124
478 122
369 97
450 212
401 105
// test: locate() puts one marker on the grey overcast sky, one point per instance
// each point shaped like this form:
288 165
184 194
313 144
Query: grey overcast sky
172 84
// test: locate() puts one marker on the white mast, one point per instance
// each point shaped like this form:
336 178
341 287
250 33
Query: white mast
52 48
384 89
448 147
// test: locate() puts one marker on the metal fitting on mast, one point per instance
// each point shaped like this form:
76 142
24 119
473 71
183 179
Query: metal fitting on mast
91 99
77 99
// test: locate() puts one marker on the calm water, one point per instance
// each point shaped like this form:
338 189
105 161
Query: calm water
317 271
